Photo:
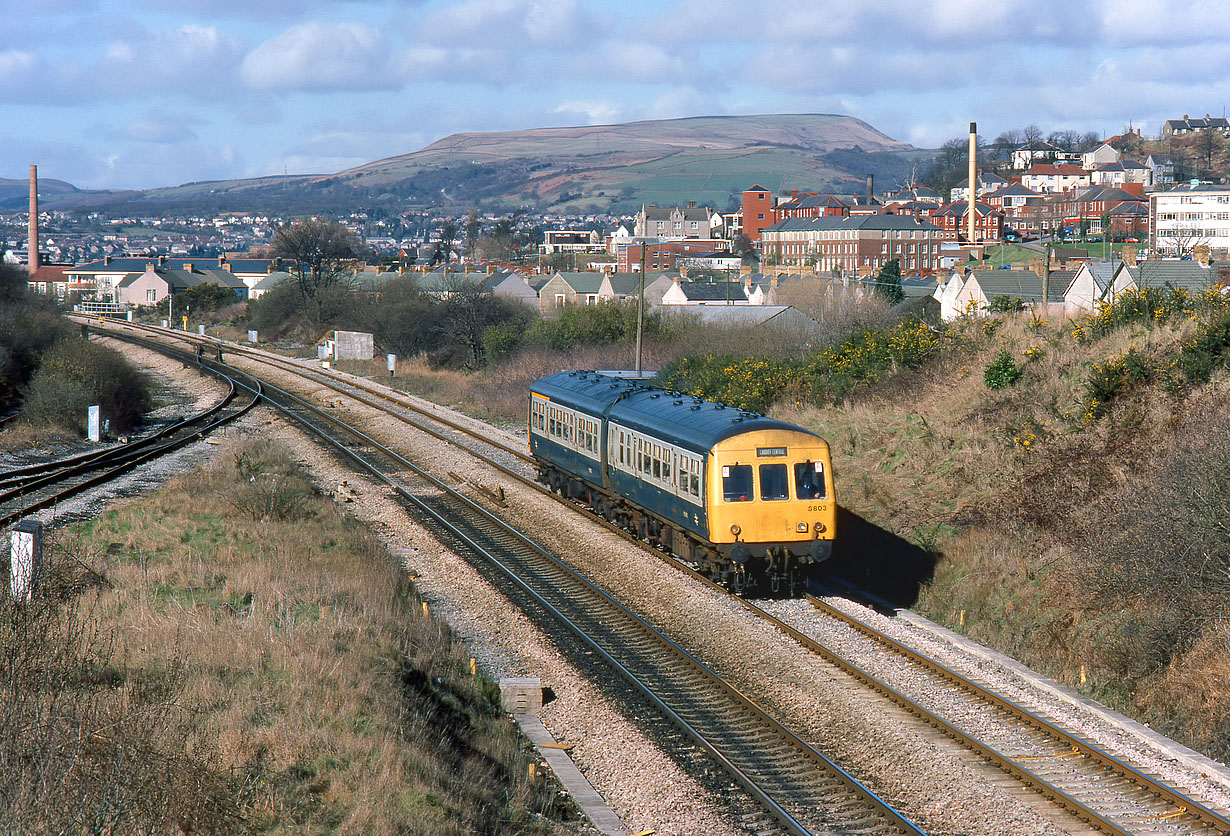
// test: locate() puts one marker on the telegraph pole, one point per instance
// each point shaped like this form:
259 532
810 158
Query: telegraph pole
640 310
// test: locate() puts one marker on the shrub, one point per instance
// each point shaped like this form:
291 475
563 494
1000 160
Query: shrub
1206 350
1002 371
1110 380
826 376
1005 304
74 374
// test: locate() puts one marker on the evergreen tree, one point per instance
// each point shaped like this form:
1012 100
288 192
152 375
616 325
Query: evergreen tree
888 282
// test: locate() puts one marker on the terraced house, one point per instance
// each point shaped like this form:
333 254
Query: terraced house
855 245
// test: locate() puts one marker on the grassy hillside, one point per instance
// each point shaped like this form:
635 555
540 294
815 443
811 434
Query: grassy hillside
1072 480
592 168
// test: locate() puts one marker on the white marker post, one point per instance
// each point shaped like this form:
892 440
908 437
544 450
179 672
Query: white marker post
94 423
392 363
252 335
200 329
26 558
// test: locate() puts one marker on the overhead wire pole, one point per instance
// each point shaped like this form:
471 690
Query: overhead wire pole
640 311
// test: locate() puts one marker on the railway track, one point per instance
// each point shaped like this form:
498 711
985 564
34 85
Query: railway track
1104 793
32 488
801 790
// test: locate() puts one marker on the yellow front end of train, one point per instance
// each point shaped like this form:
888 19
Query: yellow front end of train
770 490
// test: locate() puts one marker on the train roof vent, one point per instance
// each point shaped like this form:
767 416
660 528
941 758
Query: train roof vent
737 419
678 403
655 395
694 408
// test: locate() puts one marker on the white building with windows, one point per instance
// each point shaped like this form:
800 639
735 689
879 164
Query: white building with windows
1187 216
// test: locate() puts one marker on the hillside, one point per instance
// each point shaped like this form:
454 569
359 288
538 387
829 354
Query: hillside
15 194
595 168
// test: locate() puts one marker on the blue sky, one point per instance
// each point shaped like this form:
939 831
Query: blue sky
160 92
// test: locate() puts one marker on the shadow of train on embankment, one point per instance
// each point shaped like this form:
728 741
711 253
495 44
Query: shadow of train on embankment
879 562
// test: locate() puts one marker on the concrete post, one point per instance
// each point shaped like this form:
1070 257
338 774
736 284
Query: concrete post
26 558
94 423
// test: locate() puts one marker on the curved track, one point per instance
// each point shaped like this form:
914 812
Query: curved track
1105 793
25 490
800 788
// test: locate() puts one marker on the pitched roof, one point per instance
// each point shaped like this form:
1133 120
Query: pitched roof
748 315
1183 274
582 282
1025 285
1014 190
713 291
985 178
1064 169
627 284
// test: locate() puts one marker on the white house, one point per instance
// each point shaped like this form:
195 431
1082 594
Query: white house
1055 178
1121 172
1092 286
1101 155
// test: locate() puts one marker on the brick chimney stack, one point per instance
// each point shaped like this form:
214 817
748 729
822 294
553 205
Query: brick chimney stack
33 236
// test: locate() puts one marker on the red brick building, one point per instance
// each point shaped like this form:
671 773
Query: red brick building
757 211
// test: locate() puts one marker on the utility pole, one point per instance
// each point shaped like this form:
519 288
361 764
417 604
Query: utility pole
640 311
1046 279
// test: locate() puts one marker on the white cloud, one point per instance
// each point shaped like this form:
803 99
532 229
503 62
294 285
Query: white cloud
640 61
511 24
589 111
320 56
190 58
458 64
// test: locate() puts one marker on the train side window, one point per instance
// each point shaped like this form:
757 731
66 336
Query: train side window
809 480
667 455
695 486
737 482
774 482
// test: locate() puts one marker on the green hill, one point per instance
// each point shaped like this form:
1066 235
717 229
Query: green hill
593 168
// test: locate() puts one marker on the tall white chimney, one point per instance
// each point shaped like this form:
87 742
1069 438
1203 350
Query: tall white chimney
33 236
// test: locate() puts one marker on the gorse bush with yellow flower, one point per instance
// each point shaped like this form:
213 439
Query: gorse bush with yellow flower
823 378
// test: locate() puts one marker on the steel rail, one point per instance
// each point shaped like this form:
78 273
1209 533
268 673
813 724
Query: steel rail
775 809
38 472
124 465
1187 806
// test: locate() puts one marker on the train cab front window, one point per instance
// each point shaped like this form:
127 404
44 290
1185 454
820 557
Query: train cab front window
737 482
774 482
809 480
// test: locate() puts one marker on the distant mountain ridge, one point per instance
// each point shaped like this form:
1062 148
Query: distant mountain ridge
710 159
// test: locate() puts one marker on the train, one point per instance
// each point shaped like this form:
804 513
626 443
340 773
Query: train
746 500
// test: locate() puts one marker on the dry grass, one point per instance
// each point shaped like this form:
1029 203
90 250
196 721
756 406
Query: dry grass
1016 490
320 697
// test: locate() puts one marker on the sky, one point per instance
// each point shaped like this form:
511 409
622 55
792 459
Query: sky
153 93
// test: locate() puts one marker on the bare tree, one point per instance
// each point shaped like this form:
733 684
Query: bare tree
1182 239
1031 134
1065 140
447 238
321 252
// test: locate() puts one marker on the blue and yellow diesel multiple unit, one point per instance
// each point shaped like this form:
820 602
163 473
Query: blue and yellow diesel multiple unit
739 495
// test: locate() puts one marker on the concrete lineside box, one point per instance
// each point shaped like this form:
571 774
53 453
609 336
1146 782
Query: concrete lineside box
353 345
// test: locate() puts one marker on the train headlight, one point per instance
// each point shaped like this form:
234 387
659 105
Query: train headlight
801 527
736 530
819 527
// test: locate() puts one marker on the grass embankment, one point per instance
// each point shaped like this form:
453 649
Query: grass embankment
234 655
1074 482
